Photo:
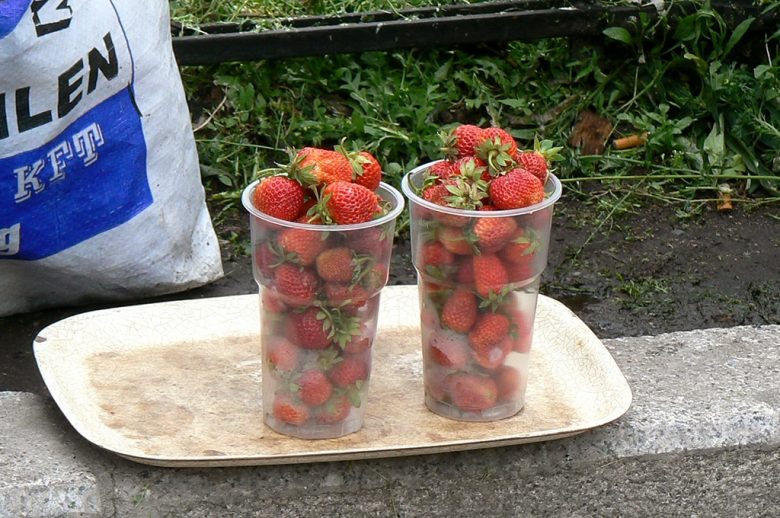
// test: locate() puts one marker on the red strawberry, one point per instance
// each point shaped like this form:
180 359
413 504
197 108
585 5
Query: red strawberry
351 369
472 393
282 354
466 163
518 188
522 330
533 162
335 264
264 260
441 170
375 278
448 349
498 138
434 254
315 387
358 344
488 331
493 356
287 410
327 166
522 244
493 233
460 311
371 171
306 330
334 411
337 294
371 241
465 273
297 287
464 139
272 303
454 240
438 192
435 380
490 276
348 203
523 269
280 197
507 381
301 244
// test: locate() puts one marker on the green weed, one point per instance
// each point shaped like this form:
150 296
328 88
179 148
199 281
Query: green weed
706 93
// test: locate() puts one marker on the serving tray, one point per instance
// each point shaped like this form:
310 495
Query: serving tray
178 384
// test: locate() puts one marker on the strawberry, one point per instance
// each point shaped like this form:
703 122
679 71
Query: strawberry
463 140
334 411
523 269
518 188
465 273
455 240
460 311
375 277
282 354
496 149
326 166
493 356
471 163
335 264
287 410
370 172
300 245
448 349
507 382
493 233
358 344
521 245
488 331
351 369
306 330
272 303
435 380
338 294
533 162
280 197
348 203
297 287
441 170
472 393
434 254
522 330
315 389
265 259
490 276
371 241
438 192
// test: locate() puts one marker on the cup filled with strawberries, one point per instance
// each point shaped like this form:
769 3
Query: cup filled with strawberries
480 230
322 228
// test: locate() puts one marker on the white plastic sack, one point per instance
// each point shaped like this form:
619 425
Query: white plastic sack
100 191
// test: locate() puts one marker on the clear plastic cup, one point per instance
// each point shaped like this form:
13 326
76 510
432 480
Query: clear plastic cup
478 292
319 299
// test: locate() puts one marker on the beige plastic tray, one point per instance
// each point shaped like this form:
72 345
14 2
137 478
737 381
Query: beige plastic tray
178 384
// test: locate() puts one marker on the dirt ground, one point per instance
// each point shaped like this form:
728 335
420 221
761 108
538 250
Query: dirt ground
641 273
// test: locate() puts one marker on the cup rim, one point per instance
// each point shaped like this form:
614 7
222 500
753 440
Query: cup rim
406 187
246 201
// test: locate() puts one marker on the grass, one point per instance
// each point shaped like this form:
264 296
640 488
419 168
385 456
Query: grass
706 94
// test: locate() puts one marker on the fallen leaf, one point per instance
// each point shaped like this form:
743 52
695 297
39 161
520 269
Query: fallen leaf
590 133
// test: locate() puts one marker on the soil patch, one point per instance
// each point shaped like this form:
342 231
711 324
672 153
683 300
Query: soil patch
641 273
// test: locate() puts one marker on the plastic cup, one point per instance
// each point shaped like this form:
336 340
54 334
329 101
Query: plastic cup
478 290
319 299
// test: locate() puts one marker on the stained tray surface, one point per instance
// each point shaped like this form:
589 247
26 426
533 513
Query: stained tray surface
179 384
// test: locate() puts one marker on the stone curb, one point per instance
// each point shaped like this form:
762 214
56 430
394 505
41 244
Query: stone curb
702 438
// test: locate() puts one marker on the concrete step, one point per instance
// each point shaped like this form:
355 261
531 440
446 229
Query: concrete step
702 438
